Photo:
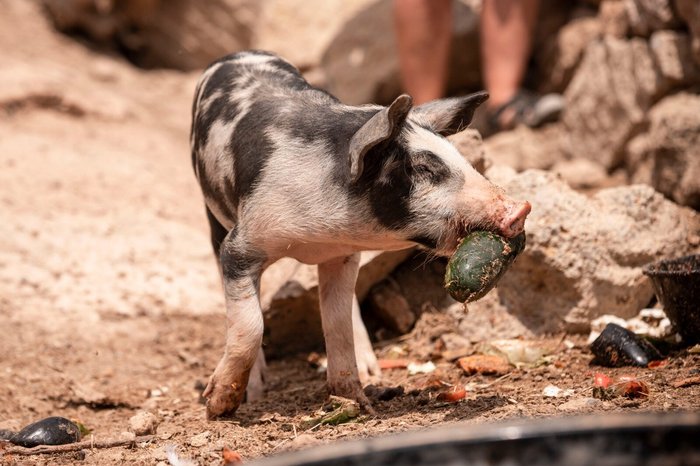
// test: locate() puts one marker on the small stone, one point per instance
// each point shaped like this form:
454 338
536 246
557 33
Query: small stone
579 404
390 305
200 440
143 423
127 436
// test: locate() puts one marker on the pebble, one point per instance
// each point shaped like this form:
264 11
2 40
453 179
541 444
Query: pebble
199 440
579 404
143 423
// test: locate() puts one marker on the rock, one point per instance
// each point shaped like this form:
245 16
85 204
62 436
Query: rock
387 302
143 423
647 16
361 63
182 34
581 173
200 439
579 404
689 12
608 97
524 147
299 30
613 18
471 146
422 283
559 58
289 298
584 255
129 436
673 57
667 155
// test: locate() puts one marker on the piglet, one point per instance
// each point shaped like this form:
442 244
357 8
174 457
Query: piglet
287 170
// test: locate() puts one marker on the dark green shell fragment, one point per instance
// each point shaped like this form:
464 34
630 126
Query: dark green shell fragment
49 431
479 262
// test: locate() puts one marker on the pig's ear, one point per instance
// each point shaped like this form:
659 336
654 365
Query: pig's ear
383 126
451 115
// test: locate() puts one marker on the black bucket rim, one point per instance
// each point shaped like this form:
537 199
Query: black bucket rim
652 270
561 426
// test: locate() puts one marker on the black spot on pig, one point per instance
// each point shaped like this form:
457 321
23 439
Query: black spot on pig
238 261
389 184
252 148
427 166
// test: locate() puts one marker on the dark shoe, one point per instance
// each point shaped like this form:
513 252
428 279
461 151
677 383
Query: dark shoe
525 108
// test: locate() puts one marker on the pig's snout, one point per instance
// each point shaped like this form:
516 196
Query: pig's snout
514 220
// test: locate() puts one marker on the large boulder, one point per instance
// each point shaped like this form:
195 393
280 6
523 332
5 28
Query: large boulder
559 57
524 147
584 256
647 16
182 34
667 155
689 12
361 63
289 297
300 30
606 101
613 18
671 51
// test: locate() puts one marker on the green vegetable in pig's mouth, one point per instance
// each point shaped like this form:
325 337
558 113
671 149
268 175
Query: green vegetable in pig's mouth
479 262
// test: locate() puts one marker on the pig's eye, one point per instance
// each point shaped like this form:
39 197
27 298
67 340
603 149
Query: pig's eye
428 166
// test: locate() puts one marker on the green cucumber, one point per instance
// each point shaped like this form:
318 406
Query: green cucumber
479 262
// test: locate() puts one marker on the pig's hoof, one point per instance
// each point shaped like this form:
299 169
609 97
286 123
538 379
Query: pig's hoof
222 398
353 391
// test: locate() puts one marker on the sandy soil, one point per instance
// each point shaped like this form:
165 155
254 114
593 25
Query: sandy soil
109 295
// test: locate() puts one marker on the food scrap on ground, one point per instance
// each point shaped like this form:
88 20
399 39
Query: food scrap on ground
339 410
616 346
484 364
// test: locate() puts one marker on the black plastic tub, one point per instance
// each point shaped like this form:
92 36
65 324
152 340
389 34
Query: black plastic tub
658 439
677 285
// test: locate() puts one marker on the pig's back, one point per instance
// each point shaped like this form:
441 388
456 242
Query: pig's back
254 113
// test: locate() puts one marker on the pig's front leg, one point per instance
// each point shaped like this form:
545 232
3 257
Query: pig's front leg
241 269
336 292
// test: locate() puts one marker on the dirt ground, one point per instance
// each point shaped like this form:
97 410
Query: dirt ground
109 295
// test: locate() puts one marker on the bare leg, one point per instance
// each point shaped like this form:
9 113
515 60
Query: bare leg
506 38
423 33
336 292
367 365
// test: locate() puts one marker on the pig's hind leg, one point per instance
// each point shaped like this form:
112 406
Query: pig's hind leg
337 279
241 268
367 365
256 381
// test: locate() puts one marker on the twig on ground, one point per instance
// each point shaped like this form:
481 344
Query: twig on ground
87 444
